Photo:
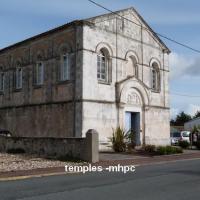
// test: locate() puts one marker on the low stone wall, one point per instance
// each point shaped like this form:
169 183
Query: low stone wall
80 148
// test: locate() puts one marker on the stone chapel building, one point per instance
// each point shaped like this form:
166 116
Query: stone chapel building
98 73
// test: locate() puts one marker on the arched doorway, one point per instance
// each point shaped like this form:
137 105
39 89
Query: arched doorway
133 119
133 100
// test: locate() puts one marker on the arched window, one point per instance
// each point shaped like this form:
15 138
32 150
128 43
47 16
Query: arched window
131 67
65 67
2 81
155 77
18 77
103 65
39 72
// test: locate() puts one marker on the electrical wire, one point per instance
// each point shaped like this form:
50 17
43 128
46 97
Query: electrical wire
158 34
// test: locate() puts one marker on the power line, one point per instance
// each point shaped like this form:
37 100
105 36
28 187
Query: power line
158 34
184 95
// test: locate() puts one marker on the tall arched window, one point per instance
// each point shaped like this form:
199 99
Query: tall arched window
39 79
131 67
18 76
155 77
2 80
65 67
103 65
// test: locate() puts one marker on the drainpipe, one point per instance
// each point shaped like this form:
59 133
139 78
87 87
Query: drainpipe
116 98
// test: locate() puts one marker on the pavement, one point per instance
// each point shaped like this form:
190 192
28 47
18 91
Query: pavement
174 180
106 159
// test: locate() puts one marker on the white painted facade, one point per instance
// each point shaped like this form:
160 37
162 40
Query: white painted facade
132 51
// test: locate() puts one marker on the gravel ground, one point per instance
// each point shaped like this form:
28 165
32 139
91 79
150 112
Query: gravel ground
15 162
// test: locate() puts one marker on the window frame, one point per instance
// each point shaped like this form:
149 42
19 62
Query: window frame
155 77
18 78
2 82
39 81
65 68
103 64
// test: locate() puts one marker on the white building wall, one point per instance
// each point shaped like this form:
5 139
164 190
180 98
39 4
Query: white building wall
100 107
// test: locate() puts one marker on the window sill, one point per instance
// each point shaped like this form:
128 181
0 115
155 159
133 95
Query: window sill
64 82
37 86
17 90
155 91
104 83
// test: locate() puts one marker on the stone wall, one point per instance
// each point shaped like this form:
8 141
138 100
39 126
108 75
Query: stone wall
80 148
47 110
48 120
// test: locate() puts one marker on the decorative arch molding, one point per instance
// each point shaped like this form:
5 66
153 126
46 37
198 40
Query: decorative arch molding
65 48
133 84
106 46
40 55
18 62
155 60
132 53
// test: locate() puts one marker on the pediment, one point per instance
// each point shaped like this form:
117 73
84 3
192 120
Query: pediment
130 28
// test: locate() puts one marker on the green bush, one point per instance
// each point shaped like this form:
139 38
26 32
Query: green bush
161 150
130 136
150 148
184 144
16 151
118 140
167 150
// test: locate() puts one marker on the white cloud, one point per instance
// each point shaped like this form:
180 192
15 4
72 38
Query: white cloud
192 109
183 65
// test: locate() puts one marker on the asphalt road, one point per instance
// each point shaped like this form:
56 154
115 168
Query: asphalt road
179 180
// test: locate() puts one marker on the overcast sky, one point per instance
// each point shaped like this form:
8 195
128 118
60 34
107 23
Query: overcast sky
178 19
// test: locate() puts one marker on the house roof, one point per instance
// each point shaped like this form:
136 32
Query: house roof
142 20
76 22
81 22
193 120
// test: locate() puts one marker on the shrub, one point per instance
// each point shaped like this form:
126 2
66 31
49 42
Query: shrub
167 150
130 135
184 144
150 148
16 151
118 140
161 150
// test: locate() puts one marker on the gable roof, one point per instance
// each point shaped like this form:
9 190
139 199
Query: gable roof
117 13
82 22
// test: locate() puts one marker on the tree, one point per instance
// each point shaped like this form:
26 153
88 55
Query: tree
181 119
196 115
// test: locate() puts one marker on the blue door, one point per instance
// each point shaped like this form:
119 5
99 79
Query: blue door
132 123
